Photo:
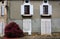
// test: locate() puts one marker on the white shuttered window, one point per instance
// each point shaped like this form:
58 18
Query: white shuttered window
2 10
42 9
27 25
46 26
30 9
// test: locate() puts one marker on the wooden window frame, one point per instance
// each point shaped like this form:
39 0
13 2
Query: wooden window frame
26 9
45 9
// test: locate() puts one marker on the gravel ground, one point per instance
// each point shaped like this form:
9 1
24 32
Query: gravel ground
36 37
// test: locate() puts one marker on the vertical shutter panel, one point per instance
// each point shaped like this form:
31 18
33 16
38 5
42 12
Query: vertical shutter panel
0 27
46 26
27 25
3 27
42 27
22 9
41 9
2 10
50 10
31 9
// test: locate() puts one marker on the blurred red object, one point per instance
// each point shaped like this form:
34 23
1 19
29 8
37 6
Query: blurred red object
12 30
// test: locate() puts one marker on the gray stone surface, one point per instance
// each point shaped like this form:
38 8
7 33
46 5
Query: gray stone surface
36 25
15 13
56 25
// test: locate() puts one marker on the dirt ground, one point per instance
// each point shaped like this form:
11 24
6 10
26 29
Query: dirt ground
38 36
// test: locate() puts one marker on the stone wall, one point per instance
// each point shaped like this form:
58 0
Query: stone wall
15 15
36 25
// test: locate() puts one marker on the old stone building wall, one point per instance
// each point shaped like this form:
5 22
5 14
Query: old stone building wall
15 14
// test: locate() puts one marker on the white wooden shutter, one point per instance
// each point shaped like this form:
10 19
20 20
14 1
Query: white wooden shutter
2 10
46 26
31 9
27 25
41 9
22 9
50 10
2 27
42 27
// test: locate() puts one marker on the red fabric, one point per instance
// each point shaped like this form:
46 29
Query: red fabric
12 30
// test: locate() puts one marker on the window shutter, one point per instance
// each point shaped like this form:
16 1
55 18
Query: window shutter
2 10
41 9
42 27
31 9
46 26
50 10
27 26
2 26
22 9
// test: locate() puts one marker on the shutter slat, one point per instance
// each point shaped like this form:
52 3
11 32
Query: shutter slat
2 10
31 9
26 25
46 26
22 9
50 10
